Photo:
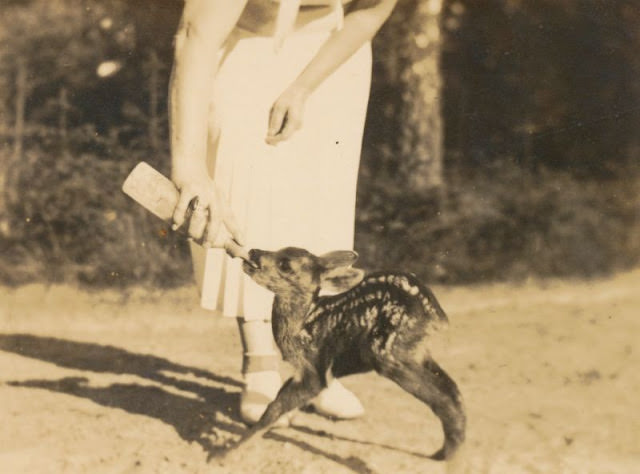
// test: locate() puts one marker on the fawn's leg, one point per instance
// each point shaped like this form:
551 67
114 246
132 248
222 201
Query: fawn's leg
431 384
295 393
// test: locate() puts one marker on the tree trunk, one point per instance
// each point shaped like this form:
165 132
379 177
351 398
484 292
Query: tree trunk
423 139
20 105
18 143
154 85
63 119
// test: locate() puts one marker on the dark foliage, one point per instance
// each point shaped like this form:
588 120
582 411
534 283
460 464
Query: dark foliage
72 222
543 83
503 223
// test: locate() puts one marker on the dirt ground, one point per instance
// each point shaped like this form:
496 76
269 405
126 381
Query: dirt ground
142 382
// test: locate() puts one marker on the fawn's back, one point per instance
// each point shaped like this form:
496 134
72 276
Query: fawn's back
387 315
373 318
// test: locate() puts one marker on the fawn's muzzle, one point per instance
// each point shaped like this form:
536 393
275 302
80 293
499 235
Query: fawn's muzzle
254 259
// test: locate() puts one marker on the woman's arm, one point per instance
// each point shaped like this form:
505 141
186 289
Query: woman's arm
204 28
362 21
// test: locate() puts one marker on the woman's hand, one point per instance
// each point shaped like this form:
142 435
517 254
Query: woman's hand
362 21
286 114
202 205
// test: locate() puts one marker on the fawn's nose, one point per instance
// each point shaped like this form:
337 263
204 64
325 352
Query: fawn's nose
254 256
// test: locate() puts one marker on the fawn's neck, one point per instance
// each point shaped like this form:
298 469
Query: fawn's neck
289 314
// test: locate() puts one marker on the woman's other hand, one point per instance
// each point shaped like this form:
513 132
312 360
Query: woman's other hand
361 22
202 207
286 115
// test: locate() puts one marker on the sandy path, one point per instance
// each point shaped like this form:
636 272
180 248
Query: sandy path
147 383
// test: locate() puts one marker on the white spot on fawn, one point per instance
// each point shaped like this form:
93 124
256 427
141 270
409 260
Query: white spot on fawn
389 344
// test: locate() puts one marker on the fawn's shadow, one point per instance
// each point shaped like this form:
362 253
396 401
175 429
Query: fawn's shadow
209 417
352 462
331 436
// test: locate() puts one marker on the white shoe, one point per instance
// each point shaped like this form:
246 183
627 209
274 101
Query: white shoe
260 388
336 401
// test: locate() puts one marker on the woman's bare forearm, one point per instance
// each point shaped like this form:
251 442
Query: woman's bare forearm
361 23
203 30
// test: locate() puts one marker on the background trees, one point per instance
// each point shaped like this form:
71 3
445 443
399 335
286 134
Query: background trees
502 140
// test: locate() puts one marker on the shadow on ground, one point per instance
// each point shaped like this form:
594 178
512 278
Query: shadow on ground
209 417
196 418
332 436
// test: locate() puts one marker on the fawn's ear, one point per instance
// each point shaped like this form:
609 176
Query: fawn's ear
337 280
338 258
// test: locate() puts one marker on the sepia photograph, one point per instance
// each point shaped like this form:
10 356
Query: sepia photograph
320 236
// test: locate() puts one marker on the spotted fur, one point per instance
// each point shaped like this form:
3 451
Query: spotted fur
382 322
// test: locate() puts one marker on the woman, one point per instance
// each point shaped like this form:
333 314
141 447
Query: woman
268 102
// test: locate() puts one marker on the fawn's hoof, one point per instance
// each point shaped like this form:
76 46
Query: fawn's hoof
336 401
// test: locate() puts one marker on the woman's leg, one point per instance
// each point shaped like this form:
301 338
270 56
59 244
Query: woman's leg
260 363
260 360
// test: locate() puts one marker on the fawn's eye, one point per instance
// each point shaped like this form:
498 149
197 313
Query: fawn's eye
284 265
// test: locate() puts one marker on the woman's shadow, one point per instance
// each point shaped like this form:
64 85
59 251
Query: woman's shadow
207 413
203 412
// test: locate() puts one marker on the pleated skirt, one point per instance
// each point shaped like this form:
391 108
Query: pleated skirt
300 192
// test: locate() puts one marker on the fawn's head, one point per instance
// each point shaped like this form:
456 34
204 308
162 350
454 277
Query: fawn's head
295 270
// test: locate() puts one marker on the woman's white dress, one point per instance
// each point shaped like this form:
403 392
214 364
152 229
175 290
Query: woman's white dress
300 192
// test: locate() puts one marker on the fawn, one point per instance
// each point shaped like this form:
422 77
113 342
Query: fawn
380 322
